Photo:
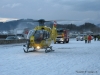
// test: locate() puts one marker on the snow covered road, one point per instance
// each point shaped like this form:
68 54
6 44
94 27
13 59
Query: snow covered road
74 58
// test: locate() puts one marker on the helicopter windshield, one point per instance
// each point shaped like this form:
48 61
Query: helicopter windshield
40 35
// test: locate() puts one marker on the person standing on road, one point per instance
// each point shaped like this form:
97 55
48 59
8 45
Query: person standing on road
94 37
86 38
89 39
98 37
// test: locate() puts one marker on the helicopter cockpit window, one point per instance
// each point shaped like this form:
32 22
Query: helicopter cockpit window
40 35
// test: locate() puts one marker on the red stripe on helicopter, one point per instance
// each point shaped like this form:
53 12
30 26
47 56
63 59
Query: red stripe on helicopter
55 23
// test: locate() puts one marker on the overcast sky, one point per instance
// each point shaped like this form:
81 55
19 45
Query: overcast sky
81 10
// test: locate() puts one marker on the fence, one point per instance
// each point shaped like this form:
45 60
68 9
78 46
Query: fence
12 41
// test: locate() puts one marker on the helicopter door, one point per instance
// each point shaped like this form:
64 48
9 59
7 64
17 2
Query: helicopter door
46 35
31 32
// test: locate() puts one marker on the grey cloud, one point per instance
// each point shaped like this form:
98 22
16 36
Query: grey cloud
85 10
82 5
89 6
11 5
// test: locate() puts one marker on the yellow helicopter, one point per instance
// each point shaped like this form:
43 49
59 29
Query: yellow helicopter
41 37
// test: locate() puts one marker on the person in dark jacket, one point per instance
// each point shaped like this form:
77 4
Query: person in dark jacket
94 37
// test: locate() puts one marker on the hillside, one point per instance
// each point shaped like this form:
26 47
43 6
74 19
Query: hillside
28 23
22 23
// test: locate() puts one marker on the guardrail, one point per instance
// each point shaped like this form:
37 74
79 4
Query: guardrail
12 41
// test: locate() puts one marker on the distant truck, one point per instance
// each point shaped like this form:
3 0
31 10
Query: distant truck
22 32
62 35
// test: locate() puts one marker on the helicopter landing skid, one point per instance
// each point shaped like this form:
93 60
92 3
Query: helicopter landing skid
48 49
26 49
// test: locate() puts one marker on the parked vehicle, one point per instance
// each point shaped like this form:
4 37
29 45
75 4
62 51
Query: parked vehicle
20 37
23 32
14 38
11 38
80 38
62 35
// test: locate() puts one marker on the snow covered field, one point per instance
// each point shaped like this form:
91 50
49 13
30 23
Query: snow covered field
74 58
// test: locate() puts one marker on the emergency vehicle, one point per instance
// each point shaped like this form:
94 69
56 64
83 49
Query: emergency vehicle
62 35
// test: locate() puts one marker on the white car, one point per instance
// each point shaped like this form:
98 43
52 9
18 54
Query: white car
80 38
20 37
14 38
